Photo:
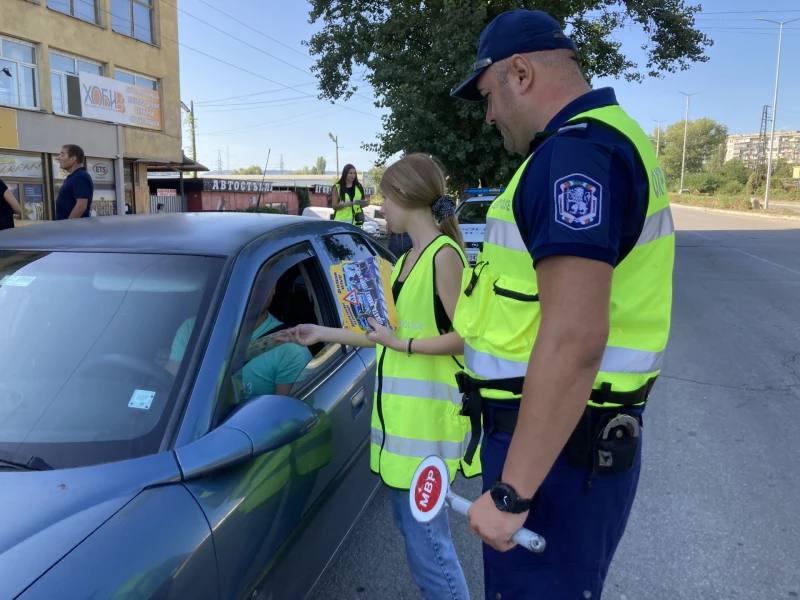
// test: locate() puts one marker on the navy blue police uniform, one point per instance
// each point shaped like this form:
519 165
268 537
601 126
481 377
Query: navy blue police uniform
582 517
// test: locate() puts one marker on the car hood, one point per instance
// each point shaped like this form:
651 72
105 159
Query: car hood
473 233
46 514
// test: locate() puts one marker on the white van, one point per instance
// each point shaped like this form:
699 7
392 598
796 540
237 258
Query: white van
320 212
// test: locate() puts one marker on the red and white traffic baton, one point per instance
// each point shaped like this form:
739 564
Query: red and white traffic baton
430 489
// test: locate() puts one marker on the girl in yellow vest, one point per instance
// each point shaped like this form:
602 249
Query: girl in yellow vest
417 403
347 197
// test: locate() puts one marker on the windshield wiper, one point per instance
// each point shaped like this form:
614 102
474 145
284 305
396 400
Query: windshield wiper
34 463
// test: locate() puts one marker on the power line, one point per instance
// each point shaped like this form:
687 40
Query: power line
257 49
205 102
256 30
219 60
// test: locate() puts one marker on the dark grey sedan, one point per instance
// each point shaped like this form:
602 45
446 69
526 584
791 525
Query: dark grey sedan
155 441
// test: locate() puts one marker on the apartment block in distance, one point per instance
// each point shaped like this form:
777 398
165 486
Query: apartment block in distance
102 74
745 147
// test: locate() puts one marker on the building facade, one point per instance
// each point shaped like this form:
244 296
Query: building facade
746 147
211 192
102 74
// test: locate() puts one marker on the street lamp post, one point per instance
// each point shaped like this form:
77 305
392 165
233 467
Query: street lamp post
335 139
774 105
685 132
658 135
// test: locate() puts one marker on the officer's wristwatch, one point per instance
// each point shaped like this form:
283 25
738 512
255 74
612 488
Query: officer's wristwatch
507 500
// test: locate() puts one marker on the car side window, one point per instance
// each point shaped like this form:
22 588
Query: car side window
288 291
346 247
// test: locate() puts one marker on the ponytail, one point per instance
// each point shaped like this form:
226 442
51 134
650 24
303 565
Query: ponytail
450 228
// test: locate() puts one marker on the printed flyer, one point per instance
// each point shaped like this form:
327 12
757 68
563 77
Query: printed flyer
364 290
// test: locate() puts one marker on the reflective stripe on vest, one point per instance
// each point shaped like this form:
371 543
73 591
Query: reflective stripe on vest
417 388
419 449
502 288
417 403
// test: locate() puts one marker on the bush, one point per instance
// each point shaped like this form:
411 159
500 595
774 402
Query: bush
703 183
732 188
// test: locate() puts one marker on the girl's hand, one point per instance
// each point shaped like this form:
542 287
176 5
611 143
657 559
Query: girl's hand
383 335
304 335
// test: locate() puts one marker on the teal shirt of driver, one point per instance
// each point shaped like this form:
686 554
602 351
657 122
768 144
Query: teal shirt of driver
281 365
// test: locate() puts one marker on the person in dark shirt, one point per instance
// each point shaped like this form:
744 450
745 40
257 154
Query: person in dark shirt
75 196
8 206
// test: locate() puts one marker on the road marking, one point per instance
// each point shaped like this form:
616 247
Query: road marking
769 262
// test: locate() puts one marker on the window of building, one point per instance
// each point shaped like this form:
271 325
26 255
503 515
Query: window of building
133 18
134 79
64 81
85 10
18 73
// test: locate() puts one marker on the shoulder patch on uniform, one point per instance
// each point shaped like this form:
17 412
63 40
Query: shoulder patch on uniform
578 200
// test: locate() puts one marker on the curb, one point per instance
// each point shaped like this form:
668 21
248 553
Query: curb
741 213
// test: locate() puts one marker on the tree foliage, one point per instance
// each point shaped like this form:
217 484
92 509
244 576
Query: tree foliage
415 53
251 170
705 139
318 168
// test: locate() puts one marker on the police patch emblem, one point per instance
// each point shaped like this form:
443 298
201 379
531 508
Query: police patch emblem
578 199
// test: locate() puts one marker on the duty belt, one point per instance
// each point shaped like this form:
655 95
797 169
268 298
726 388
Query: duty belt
472 403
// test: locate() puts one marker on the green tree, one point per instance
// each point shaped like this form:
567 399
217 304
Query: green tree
703 140
251 170
415 53
735 170
319 168
375 174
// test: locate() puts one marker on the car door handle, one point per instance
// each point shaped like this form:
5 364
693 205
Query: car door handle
358 398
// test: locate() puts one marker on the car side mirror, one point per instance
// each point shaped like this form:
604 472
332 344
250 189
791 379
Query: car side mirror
261 425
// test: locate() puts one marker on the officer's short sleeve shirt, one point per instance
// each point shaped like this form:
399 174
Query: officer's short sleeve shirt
585 191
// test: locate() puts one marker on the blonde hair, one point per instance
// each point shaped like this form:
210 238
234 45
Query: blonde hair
418 181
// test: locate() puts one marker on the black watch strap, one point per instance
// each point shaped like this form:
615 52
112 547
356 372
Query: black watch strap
507 500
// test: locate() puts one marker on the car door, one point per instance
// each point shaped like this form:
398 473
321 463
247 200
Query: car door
255 510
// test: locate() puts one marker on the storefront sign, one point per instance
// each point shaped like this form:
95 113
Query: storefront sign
162 192
102 171
235 185
8 128
111 100
17 166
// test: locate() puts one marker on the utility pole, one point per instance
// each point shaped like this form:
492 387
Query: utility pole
190 110
658 135
282 167
335 141
228 150
219 160
774 106
685 132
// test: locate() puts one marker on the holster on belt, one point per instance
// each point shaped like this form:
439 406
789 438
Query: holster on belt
472 403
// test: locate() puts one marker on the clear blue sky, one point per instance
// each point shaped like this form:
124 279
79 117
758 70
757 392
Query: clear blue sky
732 87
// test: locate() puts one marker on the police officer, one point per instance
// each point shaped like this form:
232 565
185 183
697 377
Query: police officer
571 295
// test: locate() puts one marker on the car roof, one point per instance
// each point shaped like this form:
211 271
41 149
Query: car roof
481 198
218 233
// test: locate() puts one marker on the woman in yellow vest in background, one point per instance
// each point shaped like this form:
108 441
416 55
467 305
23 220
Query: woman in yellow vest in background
417 403
347 197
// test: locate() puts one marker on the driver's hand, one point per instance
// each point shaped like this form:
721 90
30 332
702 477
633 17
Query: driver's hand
304 335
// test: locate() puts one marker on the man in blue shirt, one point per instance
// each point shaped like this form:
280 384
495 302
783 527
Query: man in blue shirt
528 73
75 196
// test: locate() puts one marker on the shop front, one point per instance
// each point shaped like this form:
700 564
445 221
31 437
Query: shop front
25 176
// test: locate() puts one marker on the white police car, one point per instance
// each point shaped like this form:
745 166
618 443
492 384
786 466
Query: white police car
471 213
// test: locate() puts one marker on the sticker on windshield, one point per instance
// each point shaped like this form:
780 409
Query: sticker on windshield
17 280
141 399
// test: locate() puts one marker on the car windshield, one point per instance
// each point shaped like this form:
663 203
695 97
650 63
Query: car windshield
473 213
85 343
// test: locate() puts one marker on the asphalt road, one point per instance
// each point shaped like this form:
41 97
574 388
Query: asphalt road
717 515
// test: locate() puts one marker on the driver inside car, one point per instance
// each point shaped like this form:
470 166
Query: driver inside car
272 365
